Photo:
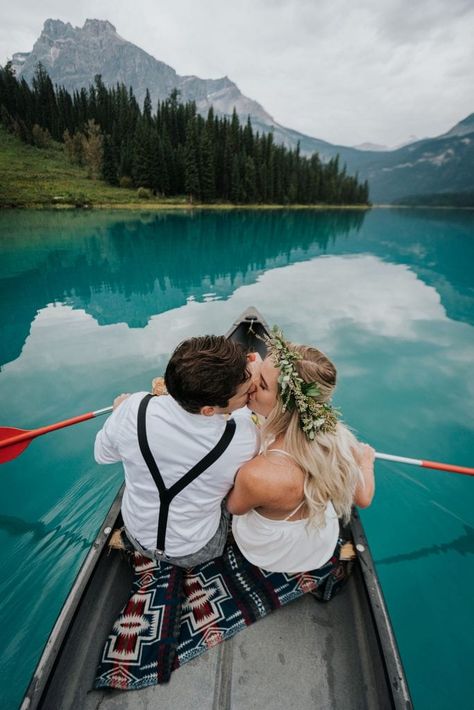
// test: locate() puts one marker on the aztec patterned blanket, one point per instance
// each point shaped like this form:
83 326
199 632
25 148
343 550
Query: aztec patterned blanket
174 615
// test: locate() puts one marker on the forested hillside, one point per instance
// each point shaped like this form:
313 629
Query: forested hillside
171 151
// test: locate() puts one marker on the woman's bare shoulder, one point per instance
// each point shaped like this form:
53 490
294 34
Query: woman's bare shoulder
266 468
256 468
264 482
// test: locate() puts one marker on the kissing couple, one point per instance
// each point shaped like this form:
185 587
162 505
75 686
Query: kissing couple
196 455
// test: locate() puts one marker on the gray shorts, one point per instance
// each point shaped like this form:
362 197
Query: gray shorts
213 548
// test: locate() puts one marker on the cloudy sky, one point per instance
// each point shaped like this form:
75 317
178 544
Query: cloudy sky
375 70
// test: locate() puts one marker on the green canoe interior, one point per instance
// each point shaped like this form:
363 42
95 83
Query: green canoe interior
307 655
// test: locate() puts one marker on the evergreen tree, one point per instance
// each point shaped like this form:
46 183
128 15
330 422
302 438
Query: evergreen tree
147 107
235 189
109 163
207 175
46 107
141 167
191 179
250 180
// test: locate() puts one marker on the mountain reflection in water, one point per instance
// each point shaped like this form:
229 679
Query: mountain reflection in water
122 269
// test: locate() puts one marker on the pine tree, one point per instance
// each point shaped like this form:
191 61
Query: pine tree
46 107
147 107
235 189
250 180
191 179
141 167
109 162
207 175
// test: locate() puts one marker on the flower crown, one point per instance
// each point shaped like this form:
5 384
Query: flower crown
297 394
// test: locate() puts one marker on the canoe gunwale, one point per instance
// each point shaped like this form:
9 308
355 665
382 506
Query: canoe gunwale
60 629
395 672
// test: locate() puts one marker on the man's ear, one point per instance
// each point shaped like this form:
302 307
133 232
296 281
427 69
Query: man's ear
207 411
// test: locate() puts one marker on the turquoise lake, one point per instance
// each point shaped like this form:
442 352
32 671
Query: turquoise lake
92 304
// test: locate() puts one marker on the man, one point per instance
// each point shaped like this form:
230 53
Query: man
181 451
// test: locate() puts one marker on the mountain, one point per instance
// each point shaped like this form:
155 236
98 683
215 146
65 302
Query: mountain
462 128
371 146
73 56
422 172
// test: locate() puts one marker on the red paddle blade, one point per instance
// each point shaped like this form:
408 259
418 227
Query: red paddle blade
13 450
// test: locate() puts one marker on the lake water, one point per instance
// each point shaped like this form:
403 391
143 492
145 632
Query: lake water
91 305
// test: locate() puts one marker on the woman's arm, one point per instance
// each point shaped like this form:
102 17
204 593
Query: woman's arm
249 489
365 489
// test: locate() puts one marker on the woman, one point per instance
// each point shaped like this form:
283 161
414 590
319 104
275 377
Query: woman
288 500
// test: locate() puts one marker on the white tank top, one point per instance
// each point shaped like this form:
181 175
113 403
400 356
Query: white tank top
285 545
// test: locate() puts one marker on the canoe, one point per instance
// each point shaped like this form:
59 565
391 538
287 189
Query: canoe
342 654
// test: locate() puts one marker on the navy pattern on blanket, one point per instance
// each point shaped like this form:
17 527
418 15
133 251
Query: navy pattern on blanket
174 615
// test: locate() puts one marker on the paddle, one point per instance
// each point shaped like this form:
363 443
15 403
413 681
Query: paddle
14 441
426 464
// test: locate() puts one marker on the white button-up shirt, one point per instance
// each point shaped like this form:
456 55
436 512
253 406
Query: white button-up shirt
178 440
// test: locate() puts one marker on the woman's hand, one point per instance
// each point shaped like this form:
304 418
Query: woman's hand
364 456
118 400
158 386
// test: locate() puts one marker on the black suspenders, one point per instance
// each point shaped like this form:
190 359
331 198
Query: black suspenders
167 494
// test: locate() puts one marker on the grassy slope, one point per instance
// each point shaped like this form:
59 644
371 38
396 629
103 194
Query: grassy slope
31 176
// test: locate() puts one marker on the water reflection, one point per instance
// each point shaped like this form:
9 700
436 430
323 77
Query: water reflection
463 544
121 269
17 527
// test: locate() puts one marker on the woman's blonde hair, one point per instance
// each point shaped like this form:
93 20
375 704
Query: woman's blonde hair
330 470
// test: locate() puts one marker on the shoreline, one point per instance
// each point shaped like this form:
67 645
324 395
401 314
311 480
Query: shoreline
187 207
164 206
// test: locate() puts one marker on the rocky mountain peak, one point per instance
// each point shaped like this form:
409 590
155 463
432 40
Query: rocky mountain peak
74 55
98 27
55 28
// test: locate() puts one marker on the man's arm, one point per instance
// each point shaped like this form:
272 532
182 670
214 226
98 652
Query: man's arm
106 449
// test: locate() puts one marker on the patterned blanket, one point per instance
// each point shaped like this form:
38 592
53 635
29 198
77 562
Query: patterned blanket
174 615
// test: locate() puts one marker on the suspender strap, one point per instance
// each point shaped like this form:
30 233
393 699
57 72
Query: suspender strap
167 494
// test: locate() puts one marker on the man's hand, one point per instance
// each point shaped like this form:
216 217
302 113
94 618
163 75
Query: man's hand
118 400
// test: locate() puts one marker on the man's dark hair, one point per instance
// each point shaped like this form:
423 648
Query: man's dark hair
206 371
